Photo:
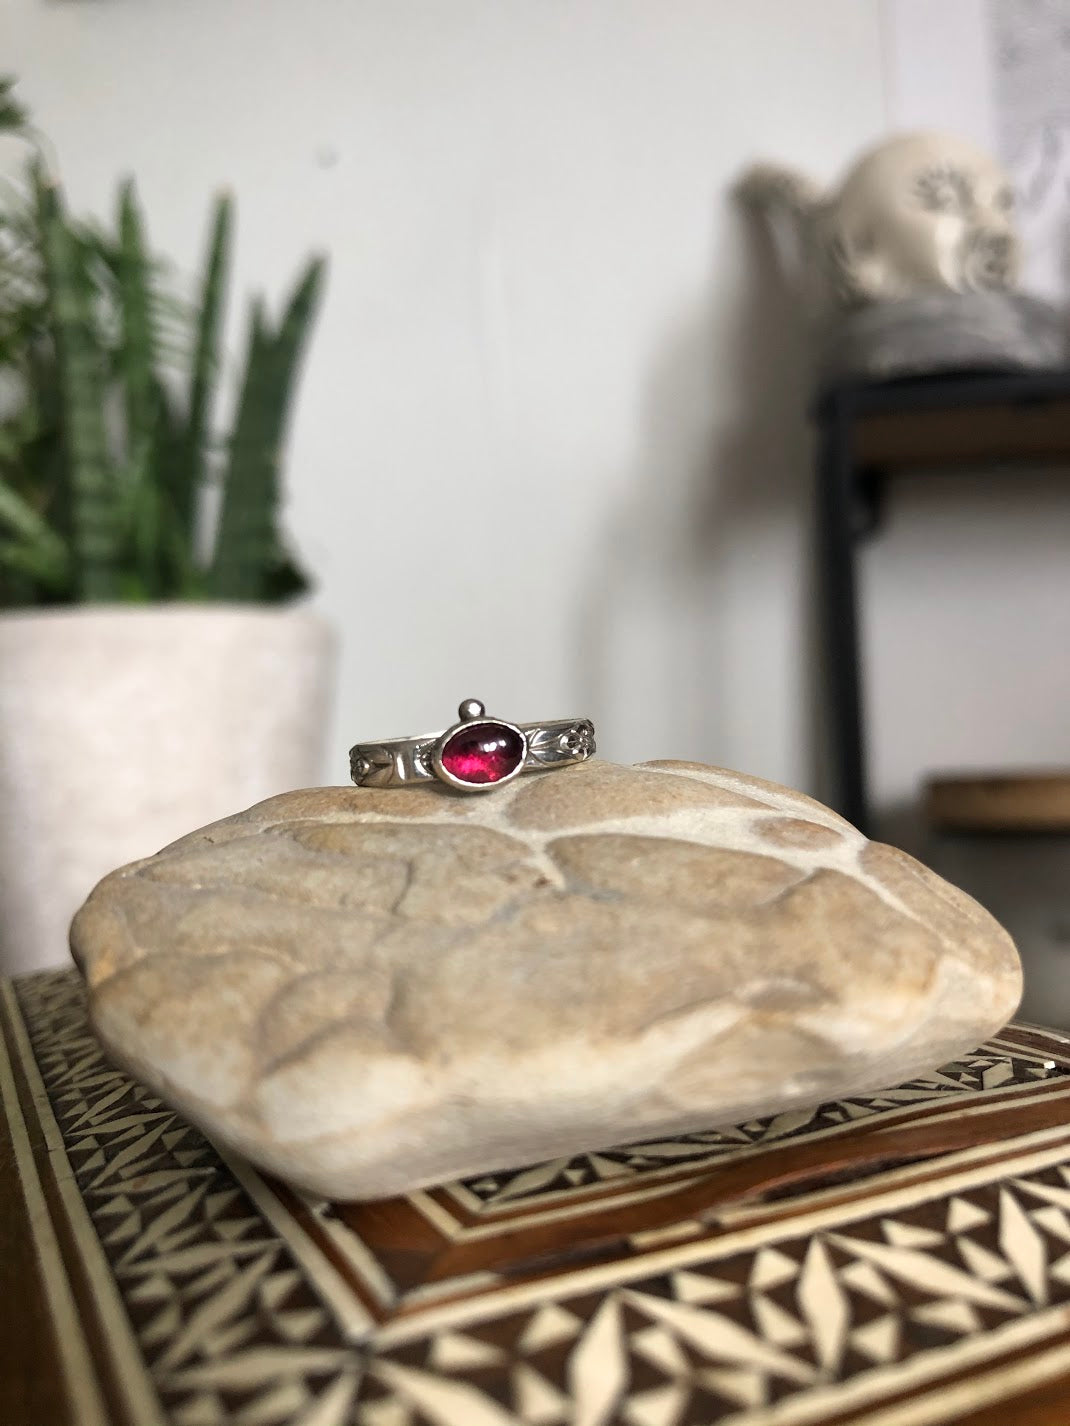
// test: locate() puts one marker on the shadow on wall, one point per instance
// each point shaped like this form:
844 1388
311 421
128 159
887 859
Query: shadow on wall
699 630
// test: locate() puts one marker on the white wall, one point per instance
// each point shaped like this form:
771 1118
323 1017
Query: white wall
938 67
551 447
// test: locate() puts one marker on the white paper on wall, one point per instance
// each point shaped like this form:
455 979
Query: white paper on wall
1030 42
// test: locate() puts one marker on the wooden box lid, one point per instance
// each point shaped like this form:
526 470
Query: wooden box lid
900 1258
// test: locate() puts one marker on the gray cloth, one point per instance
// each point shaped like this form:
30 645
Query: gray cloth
945 331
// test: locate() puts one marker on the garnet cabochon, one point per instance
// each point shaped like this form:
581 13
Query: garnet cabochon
483 752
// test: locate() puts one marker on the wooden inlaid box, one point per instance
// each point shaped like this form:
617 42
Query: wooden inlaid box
897 1259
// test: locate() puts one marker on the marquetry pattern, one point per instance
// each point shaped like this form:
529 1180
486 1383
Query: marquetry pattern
871 1303
229 1327
815 1266
478 1237
990 1069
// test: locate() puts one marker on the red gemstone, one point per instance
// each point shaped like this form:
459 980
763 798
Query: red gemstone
480 753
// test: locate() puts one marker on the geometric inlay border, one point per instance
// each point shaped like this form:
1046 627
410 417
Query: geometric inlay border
894 1257
228 1325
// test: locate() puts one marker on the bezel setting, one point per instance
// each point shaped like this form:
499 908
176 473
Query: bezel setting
472 725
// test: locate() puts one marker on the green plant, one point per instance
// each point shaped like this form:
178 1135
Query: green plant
106 394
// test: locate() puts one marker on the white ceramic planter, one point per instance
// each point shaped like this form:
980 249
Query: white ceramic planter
121 729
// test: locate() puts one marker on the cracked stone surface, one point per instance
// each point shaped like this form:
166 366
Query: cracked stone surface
364 991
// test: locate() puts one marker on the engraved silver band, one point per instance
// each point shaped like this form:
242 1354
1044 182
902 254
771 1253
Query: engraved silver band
476 754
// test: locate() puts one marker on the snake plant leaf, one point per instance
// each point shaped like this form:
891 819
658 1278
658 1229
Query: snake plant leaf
283 577
245 536
83 395
145 516
206 362
35 552
186 579
32 457
247 555
21 519
34 565
137 354
177 527
13 117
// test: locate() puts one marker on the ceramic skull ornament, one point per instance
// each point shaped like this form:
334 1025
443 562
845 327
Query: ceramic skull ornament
919 213
922 212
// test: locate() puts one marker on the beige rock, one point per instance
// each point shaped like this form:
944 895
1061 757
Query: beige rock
364 991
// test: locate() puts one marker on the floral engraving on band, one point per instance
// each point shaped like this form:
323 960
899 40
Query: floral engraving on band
371 766
571 743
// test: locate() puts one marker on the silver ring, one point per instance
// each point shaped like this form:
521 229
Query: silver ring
476 754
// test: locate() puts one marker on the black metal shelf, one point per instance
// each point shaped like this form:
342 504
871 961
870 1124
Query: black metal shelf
866 432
